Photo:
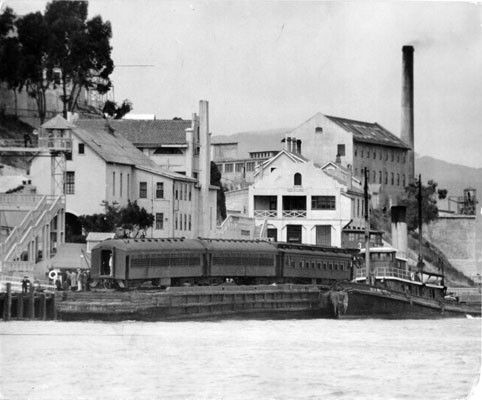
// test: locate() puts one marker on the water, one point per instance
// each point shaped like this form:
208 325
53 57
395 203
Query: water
293 359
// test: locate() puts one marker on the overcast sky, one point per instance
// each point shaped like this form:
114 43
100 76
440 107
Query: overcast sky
272 64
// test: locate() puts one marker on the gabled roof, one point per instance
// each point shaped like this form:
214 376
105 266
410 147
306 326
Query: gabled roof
113 147
147 133
297 158
57 122
366 132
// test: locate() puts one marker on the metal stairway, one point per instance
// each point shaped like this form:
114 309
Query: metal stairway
23 242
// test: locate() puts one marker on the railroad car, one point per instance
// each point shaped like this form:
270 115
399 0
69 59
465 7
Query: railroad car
314 264
128 263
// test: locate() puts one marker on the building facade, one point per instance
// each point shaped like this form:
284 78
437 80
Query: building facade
299 202
95 163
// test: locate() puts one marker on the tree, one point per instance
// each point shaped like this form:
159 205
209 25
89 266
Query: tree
58 49
131 217
221 198
115 111
11 62
79 49
33 37
430 194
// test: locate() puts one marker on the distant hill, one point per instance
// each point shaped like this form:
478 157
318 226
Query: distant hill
453 177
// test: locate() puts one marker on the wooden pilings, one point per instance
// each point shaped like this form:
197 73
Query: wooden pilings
31 305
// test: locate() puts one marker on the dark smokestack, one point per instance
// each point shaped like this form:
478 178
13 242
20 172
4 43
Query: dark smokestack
407 128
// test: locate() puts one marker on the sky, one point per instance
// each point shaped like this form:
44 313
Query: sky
265 65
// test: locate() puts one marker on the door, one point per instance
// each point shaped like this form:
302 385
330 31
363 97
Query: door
323 235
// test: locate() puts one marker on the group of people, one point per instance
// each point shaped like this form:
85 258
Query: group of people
74 281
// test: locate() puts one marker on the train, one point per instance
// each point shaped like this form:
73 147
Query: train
132 263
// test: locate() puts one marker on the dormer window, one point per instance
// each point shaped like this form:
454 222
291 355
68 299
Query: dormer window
297 179
318 129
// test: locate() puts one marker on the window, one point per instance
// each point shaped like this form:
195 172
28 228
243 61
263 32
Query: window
70 182
239 167
341 149
393 178
318 129
250 166
374 154
68 156
386 178
228 168
128 185
356 151
380 176
143 190
403 180
297 179
113 183
189 192
159 190
361 155
323 203
120 186
392 155
81 148
398 179
368 153
374 176
190 226
159 221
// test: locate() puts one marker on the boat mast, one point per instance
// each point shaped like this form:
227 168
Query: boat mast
420 263
367 229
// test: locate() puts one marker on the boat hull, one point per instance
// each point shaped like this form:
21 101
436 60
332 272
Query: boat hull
373 302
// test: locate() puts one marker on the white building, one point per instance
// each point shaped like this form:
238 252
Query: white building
102 165
300 202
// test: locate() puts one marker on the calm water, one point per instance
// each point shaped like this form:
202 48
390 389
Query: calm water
294 359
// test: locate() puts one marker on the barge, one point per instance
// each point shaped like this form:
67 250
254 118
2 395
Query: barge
203 303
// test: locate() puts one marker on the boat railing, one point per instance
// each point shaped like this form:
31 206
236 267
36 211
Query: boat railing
388 272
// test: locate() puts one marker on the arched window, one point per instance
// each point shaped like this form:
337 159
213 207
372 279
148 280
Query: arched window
297 179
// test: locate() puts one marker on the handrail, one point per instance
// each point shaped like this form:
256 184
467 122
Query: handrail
30 226
385 272
265 213
294 213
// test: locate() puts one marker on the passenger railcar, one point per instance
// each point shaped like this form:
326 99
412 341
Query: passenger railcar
128 263
314 264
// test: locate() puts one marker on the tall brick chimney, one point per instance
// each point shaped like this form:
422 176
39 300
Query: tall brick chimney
407 126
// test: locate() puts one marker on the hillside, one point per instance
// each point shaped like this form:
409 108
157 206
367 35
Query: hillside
12 128
455 178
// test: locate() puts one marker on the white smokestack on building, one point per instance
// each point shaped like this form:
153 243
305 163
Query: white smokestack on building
399 230
206 209
407 121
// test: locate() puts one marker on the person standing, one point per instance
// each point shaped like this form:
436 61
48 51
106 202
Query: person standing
73 281
25 284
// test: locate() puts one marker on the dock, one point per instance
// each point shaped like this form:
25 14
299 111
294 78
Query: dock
34 304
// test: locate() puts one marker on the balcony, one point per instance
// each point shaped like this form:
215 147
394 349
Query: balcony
294 213
265 213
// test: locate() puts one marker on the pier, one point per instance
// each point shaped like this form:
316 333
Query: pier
34 304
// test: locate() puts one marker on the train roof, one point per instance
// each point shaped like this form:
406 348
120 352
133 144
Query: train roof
298 247
152 244
239 245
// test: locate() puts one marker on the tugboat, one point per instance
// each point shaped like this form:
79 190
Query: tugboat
384 286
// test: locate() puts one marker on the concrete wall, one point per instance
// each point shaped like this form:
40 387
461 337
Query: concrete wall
459 237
